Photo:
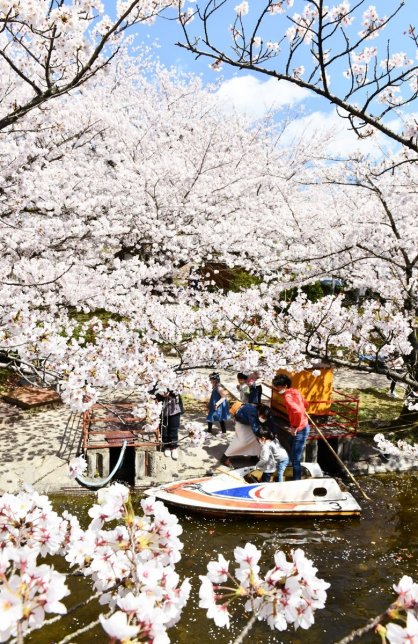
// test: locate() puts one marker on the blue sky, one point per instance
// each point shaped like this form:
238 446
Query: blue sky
252 93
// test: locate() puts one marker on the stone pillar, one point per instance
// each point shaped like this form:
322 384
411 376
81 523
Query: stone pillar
146 463
311 452
140 465
98 463
152 463
344 449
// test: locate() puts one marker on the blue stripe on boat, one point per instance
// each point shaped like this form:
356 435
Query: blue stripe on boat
239 492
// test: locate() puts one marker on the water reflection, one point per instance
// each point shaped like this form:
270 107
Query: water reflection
361 557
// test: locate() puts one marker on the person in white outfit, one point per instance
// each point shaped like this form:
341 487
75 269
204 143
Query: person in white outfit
248 420
272 456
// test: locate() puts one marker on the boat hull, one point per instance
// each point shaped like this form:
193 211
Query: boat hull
230 495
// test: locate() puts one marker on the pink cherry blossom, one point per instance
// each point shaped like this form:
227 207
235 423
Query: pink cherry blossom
409 635
116 626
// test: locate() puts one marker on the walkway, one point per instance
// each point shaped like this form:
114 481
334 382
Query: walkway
36 445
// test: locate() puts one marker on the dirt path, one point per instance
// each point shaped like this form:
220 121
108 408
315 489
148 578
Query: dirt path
345 378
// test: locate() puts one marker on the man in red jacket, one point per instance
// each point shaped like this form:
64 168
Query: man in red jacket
299 427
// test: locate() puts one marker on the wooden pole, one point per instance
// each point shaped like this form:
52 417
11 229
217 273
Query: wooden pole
237 478
338 459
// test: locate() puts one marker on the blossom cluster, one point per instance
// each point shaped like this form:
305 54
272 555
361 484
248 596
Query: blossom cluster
77 466
404 609
131 564
341 13
29 529
400 448
280 6
289 593
372 24
242 9
304 25
196 433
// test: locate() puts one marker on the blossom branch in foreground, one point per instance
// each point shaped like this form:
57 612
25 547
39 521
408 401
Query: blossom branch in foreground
404 609
401 448
288 594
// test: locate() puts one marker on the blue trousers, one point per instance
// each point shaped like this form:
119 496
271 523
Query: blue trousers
281 466
296 452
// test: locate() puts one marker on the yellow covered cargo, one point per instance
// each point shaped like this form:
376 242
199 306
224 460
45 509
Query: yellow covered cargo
316 389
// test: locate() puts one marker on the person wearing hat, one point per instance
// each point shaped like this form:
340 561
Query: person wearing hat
218 404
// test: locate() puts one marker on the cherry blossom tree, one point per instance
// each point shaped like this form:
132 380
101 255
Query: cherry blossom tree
50 48
314 47
373 251
115 202
110 209
120 210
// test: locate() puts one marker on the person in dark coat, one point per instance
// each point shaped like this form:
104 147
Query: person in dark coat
218 404
170 422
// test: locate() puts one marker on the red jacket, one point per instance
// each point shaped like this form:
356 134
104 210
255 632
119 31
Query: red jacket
295 407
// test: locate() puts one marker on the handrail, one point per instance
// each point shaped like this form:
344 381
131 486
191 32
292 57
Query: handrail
96 484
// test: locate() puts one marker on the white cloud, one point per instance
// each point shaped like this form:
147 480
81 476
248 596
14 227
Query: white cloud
253 97
249 95
342 140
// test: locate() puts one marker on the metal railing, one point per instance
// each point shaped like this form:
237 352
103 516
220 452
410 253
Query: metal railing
110 424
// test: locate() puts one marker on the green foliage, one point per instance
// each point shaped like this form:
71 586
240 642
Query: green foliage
314 291
101 314
241 280
375 404
219 275
83 318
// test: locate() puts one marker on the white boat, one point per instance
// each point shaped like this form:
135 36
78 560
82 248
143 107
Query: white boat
230 494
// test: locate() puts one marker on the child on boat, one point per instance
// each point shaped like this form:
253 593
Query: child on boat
272 456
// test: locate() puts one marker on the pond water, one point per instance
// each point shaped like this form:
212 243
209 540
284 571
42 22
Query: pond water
361 558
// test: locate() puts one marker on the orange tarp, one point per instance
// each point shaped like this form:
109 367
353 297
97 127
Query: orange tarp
317 390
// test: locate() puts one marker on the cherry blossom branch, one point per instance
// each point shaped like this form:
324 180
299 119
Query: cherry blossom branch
241 637
85 70
371 624
316 25
84 629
